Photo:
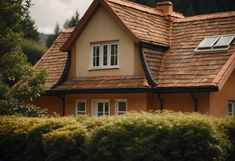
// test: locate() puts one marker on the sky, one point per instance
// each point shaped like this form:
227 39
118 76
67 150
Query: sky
46 13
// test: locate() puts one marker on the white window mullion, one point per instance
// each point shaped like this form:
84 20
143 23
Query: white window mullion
101 56
109 55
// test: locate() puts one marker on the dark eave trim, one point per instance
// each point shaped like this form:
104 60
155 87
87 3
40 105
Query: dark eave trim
65 72
154 45
151 81
54 92
186 89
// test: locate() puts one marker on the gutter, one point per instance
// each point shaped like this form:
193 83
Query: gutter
54 92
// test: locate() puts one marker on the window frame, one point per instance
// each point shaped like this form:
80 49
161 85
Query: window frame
101 55
76 107
117 112
232 114
95 106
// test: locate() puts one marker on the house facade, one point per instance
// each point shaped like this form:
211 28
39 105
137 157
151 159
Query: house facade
123 57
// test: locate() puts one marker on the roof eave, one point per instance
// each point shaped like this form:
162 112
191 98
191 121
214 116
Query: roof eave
197 89
54 92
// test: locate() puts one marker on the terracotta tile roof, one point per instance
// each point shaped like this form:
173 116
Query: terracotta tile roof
179 66
148 24
124 81
54 60
182 67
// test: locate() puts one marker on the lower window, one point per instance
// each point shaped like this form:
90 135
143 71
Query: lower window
81 107
231 108
121 106
101 107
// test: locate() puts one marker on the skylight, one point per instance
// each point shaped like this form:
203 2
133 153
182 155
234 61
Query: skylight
208 42
215 43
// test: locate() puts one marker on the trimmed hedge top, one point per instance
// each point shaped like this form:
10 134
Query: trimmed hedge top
157 136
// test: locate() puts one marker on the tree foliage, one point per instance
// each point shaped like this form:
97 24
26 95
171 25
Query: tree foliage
51 38
195 7
18 81
73 21
68 23
33 50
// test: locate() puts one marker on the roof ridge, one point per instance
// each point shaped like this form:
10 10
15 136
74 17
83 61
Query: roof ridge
137 6
207 16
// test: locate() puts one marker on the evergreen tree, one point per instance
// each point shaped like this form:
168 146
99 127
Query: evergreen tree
19 83
73 21
27 25
52 38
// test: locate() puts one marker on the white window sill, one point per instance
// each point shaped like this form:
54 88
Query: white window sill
103 68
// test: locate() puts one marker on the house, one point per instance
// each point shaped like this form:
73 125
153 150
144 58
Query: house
123 56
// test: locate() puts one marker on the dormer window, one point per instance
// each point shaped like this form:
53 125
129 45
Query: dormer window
215 43
104 55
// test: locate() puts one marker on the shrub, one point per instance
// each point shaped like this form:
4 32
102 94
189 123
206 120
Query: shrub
35 149
133 137
13 132
227 126
65 144
146 137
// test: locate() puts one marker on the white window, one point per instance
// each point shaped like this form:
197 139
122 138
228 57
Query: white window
104 55
80 107
231 108
121 106
101 107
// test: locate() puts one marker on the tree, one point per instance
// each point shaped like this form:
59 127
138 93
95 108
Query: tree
27 25
51 38
33 50
19 82
73 21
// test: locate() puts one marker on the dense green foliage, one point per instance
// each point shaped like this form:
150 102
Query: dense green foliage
19 83
51 38
195 7
133 137
73 21
33 50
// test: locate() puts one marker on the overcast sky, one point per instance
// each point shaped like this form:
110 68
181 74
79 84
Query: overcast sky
46 13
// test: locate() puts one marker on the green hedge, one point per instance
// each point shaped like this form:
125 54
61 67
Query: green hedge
133 137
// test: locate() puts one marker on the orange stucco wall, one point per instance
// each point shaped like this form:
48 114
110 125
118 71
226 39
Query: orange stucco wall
52 103
135 102
179 102
219 100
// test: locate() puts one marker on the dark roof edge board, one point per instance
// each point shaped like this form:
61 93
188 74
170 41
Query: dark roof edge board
65 72
169 90
54 92
186 89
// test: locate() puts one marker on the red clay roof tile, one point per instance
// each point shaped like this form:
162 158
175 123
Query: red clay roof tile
54 60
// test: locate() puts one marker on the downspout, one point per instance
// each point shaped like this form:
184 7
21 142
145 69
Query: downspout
161 102
195 102
62 98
